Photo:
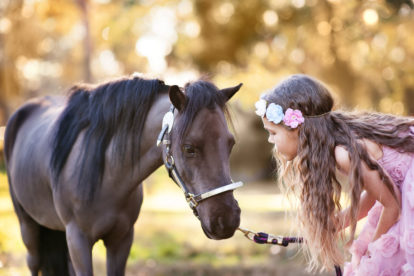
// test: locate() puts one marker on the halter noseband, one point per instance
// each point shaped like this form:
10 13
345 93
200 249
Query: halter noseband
192 199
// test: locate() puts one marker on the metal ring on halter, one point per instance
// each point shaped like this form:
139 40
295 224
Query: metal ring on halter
191 200
169 161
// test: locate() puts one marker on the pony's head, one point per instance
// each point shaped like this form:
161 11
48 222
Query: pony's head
200 145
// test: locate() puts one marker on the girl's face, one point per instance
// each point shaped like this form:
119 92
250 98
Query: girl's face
285 141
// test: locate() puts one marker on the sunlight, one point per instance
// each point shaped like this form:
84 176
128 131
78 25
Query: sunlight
2 131
278 4
270 18
185 8
109 63
388 73
224 12
105 33
279 42
324 28
261 50
397 54
5 25
157 42
297 56
180 77
47 45
102 1
155 49
298 3
192 29
380 41
370 17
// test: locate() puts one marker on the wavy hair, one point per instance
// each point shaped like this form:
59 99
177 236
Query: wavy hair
311 175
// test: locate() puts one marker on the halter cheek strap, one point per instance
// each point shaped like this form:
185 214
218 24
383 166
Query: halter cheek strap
192 199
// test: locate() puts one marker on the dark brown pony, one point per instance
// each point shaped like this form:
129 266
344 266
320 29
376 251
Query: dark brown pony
75 167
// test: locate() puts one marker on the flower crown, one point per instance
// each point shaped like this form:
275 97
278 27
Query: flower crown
274 113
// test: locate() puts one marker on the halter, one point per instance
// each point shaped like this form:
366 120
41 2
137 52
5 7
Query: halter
192 199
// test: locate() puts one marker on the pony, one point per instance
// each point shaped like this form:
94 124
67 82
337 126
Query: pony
76 164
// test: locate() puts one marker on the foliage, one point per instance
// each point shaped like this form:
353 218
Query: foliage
362 49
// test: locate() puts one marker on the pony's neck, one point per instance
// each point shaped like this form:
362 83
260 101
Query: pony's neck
151 155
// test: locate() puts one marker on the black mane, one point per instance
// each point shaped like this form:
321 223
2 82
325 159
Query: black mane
111 110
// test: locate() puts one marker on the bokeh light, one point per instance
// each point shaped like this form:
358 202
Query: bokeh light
370 17
270 18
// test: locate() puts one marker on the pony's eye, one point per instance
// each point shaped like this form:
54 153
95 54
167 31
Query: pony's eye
189 150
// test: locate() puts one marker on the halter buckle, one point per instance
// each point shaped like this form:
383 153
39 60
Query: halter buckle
191 200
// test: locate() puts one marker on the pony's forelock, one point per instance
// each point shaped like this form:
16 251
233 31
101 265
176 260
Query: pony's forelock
200 94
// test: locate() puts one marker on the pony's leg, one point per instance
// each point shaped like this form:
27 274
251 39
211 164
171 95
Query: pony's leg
80 250
117 251
30 235
30 232
70 268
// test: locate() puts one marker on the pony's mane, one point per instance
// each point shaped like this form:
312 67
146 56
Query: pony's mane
110 110
201 94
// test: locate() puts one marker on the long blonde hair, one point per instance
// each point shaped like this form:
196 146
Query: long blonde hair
312 174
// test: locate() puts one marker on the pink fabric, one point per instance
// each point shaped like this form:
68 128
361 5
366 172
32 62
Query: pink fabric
393 252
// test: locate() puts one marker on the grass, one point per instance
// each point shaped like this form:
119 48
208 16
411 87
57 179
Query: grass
169 240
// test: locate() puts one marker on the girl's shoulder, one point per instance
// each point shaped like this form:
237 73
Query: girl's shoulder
343 161
374 150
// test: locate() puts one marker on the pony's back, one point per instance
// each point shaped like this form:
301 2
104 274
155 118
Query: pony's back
53 251
13 125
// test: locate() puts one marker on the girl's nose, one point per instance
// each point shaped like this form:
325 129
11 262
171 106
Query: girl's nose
270 140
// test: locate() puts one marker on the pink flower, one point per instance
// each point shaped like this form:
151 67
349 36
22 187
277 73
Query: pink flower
410 195
397 175
388 272
348 270
374 214
358 248
293 118
407 270
409 241
368 267
389 245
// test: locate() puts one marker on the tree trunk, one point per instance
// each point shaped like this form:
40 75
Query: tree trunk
409 100
87 43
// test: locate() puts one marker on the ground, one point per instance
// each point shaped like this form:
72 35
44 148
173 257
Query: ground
169 240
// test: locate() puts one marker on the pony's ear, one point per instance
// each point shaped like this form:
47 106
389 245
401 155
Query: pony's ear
230 91
177 97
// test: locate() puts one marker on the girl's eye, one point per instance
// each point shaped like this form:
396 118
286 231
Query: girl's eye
189 150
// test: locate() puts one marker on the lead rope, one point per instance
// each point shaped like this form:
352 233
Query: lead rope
265 238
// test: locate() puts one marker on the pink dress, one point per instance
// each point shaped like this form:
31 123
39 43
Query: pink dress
393 252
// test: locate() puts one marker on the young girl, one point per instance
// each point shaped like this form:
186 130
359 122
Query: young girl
376 152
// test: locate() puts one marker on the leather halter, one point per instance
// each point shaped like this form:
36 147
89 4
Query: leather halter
192 199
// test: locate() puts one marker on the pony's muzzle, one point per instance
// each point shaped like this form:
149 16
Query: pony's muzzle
223 220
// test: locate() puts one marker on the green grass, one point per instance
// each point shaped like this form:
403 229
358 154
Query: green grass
171 238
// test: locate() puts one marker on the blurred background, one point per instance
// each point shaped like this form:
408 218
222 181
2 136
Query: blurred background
363 50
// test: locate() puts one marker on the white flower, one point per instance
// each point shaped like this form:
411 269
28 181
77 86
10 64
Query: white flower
260 107
274 113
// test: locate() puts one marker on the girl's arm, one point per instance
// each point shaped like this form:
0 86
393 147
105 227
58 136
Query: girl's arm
365 204
375 190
